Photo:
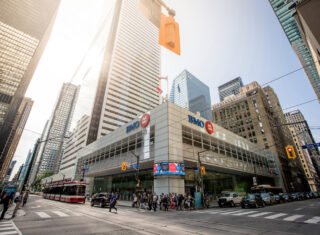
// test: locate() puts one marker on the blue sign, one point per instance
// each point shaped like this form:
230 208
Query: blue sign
134 166
84 169
168 168
10 190
133 126
308 146
197 199
195 121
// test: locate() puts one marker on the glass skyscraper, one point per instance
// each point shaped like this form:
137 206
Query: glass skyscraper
189 92
291 29
230 88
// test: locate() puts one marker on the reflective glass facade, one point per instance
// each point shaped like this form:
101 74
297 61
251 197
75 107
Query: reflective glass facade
189 92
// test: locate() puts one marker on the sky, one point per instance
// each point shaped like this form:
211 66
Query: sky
220 40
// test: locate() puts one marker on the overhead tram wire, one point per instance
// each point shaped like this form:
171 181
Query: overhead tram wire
287 74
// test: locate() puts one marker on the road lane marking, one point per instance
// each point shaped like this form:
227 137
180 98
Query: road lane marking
245 213
293 218
231 212
313 220
8 232
298 209
5 225
61 214
275 216
43 215
259 214
214 212
8 228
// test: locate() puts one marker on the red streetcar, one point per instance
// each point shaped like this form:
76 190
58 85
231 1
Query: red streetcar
68 191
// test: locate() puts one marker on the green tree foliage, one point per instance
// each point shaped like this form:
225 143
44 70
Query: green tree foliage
43 175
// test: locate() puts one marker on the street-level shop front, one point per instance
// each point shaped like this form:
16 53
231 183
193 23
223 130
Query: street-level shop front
163 150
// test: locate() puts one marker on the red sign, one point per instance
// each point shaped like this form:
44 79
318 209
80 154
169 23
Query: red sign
172 167
145 119
209 127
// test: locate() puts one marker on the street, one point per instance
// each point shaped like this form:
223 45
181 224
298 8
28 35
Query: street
52 217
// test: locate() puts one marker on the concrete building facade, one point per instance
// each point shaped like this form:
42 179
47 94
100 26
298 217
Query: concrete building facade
255 114
167 143
189 92
230 88
58 127
129 73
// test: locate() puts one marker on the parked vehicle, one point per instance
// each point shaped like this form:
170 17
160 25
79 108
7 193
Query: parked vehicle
268 198
315 194
293 196
285 197
277 198
229 199
101 199
252 201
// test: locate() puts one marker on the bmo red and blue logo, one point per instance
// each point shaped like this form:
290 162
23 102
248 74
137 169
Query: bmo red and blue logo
208 125
144 121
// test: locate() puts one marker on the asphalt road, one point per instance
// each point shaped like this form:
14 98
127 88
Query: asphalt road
51 217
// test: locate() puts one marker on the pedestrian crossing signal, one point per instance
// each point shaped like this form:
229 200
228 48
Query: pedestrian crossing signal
290 151
124 166
202 170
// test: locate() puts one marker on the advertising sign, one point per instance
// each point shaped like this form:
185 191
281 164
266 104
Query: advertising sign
168 168
208 125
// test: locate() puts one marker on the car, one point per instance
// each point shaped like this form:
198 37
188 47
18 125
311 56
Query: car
252 201
277 198
293 196
101 199
285 197
229 199
300 196
315 194
268 198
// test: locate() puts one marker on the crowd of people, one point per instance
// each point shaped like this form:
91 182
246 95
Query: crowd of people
6 200
166 201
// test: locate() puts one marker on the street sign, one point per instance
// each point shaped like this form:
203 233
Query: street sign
134 166
308 146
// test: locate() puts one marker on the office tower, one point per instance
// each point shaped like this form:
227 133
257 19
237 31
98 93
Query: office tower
76 141
189 92
230 88
129 72
298 41
255 114
40 143
58 127
26 166
25 28
12 164
296 119
305 162
13 139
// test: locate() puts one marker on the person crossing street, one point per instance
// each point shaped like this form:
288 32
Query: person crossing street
113 202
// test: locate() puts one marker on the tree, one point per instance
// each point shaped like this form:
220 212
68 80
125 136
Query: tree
43 175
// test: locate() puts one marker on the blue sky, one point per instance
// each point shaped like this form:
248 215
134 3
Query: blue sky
220 40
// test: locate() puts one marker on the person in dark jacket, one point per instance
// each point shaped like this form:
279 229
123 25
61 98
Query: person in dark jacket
113 202
6 201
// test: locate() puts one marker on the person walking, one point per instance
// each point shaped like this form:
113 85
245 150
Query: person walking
18 201
180 202
135 200
154 201
113 202
172 204
165 202
149 201
25 198
6 201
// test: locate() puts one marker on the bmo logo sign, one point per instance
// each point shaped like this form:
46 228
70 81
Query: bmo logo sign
208 125
144 121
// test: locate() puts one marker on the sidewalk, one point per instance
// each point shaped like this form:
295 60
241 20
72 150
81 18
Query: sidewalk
129 204
10 210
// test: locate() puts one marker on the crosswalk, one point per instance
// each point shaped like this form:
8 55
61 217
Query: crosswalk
51 214
265 215
7 228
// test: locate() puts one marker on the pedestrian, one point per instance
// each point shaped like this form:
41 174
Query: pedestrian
180 201
172 204
206 200
18 201
149 201
135 200
113 202
142 201
6 200
154 201
25 198
161 200
165 202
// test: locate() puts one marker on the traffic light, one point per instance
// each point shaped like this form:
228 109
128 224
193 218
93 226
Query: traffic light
290 151
169 34
202 170
124 166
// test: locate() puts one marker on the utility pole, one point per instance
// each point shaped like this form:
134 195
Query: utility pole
137 168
